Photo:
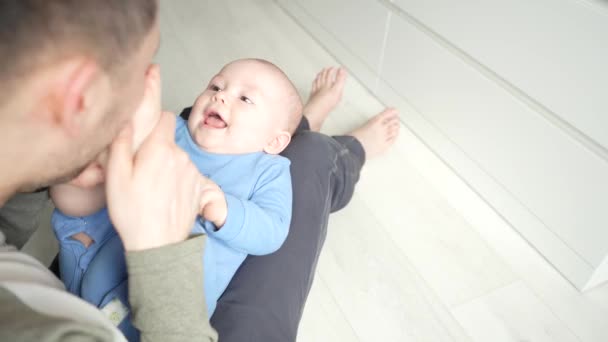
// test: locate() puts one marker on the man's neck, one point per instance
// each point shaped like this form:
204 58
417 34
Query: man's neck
5 194
10 179
14 159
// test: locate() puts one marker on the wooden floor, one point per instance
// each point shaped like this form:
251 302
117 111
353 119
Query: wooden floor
416 256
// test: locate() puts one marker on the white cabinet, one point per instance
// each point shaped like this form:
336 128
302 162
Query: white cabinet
359 25
354 30
511 95
557 180
554 51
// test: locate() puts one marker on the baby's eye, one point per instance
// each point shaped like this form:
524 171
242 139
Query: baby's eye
214 87
246 100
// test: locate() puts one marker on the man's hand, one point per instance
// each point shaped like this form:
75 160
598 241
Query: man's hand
154 194
213 204
149 111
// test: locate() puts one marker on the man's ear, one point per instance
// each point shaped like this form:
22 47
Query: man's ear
278 143
62 96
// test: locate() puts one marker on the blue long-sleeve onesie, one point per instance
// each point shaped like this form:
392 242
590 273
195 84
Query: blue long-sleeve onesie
258 193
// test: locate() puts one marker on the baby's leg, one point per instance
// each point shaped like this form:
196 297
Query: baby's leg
74 255
97 273
81 225
325 94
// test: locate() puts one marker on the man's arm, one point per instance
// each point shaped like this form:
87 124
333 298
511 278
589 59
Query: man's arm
166 307
166 293
21 323
20 216
29 304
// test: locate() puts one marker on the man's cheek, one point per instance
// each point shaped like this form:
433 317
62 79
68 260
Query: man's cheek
102 159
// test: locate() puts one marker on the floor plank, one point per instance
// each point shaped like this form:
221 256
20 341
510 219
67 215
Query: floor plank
374 285
512 314
443 247
583 313
323 321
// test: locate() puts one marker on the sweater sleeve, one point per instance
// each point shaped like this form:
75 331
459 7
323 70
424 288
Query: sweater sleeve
259 225
165 292
34 306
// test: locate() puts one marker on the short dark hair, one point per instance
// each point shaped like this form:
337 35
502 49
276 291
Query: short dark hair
34 32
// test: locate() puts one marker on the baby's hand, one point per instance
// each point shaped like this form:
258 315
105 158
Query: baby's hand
213 204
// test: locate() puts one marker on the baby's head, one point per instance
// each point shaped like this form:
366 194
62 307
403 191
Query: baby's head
249 106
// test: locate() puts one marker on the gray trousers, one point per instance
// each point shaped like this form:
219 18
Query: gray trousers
265 299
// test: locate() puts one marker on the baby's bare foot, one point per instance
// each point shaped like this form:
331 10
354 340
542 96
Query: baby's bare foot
324 97
378 133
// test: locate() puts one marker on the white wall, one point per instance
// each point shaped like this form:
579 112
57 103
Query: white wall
511 95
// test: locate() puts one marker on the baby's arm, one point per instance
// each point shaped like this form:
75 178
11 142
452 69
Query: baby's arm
259 225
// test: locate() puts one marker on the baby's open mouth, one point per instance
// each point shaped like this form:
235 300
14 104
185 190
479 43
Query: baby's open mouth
213 119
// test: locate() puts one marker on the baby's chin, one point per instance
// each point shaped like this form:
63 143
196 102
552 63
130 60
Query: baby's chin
223 149
224 145
222 141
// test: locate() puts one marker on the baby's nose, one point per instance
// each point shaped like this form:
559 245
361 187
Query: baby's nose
219 96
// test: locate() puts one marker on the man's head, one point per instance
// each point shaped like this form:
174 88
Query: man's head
249 106
72 74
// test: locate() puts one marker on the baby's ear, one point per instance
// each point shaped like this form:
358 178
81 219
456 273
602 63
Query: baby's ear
278 143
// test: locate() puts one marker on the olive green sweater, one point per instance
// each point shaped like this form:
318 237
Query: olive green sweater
165 293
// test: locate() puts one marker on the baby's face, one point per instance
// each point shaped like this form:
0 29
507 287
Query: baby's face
240 111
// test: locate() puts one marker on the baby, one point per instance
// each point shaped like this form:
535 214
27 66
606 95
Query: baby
237 127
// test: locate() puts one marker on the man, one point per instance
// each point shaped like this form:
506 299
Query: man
73 73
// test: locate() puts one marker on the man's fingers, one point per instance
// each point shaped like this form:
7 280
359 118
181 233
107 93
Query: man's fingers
120 161
153 73
153 87
164 131
206 198
206 188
